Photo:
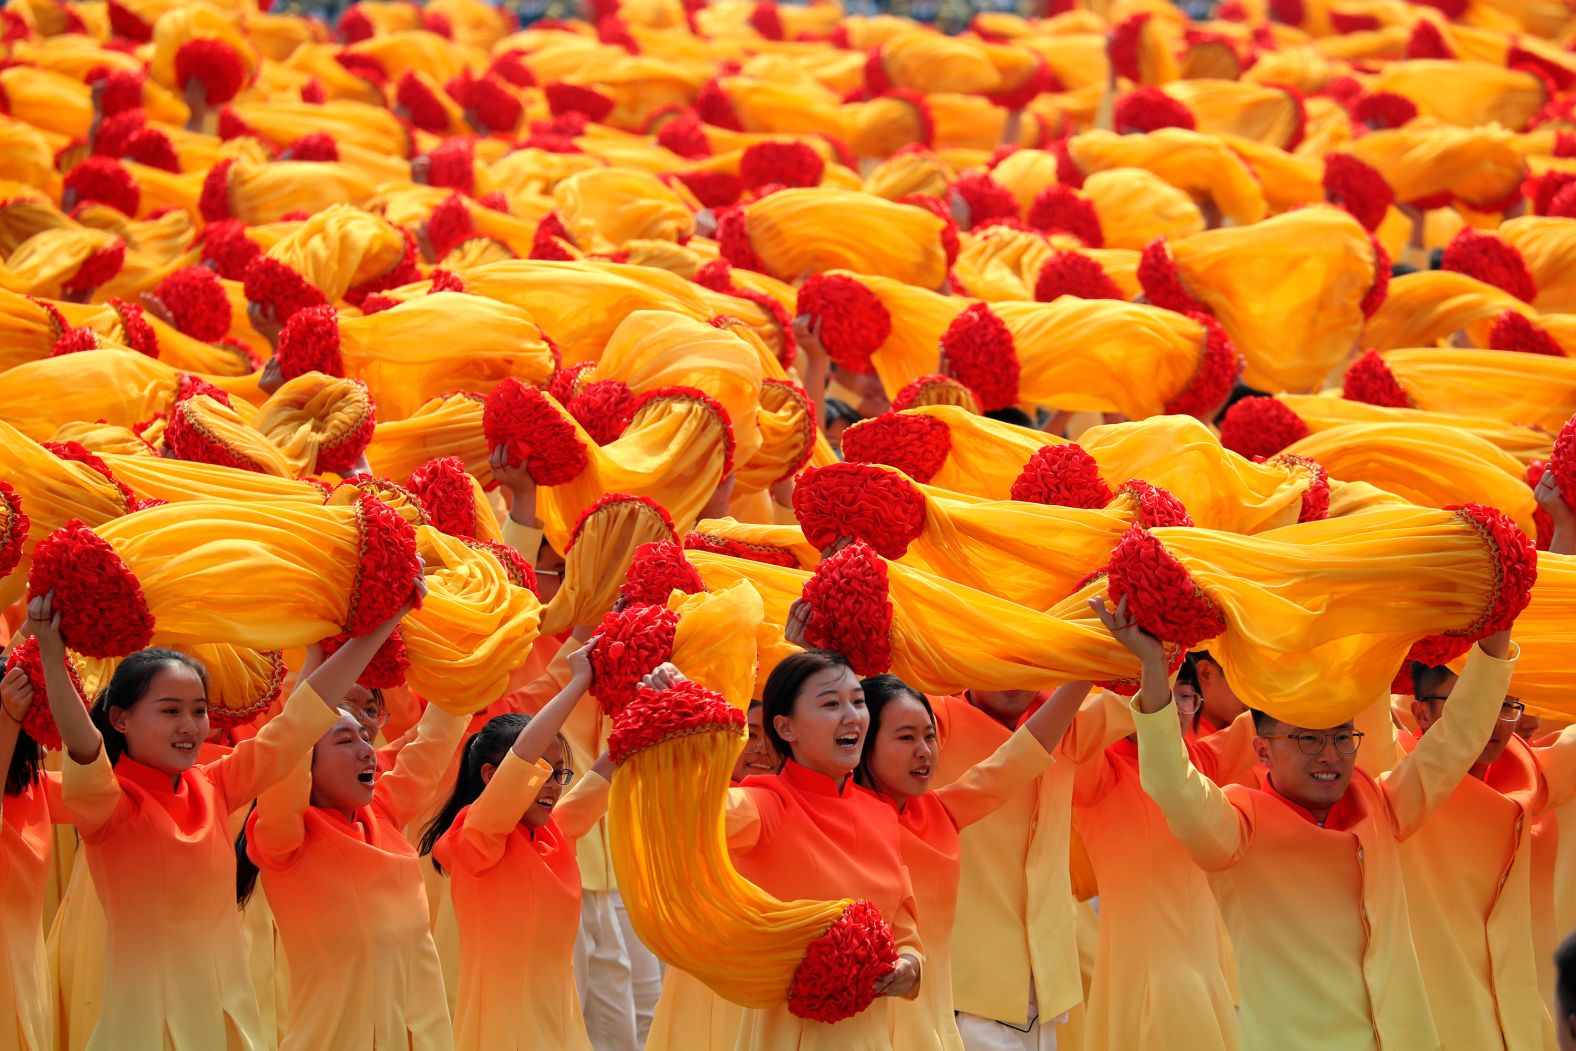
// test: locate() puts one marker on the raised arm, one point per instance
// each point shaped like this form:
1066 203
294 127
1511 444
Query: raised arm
1547 493
1020 759
80 737
522 530
407 789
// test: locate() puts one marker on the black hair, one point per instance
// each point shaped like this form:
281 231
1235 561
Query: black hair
880 691
1011 414
1187 674
782 689
1427 678
1263 722
27 759
1565 979
488 746
1242 390
129 685
246 870
838 410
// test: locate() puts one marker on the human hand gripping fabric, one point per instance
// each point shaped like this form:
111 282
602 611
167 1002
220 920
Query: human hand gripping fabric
902 980
1155 689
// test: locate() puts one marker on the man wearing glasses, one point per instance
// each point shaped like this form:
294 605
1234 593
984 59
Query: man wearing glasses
1306 864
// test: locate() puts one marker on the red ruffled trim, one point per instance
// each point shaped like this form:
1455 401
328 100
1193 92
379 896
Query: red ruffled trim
1316 499
836 979
715 108
97 268
1542 522
228 717
519 416
520 572
354 25
1062 476
1218 368
1375 297
509 68
196 302
76 452
1434 651
214 201
341 454
493 106
1556 77
850 608
1563 461
386 670
1153 507
102 609
134 328
1160 595
1550 193
784 163
604 408
1162 281
451 165
227 249
1383 109
1074 274
385 569
733 240
420 104
978 350
1492 261
916 444
74 341
272 283
1516 332
189 439
1258 427
682 710
444 488
309 341
861 501
685 135
640 504
933 390
679 393
986 198
572 98
216 64
441 281
1059 209
658 569
1515 567
1358 188
313 146
14 529
449 225
39 722
1150 109
1369 379
567 382
633 642
1124 47
789 391
695 540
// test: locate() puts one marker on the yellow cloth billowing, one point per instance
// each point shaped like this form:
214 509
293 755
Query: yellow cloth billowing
715 640
49 101
398 355
103 438
310 417
1000 263
918 317
283 120
220 433
473 629
1546 631
1468 94
46 262
1481 166
787 429
339 248
1549 247
450 425
1289 292
266 193
1427 464
764 106
198 21
1323 411
1423 308
1136 206
910 173
1271 115
597 557
605 208
771 541
1290 180
417 51
1534 390
931 63
183 481
983 457
1199 164
809 231
26 156
27 329
242 683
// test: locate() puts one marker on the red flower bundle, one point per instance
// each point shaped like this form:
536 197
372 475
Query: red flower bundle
916 444
1150 109
676 393
1383 109
850 609
103 612
1162 282
420 104
386 669
444 489
509 68
714 190
836 979
862 502
1316 499
134 328
1492 261
1059 209
1153 507
603 408
1563 461
573 98
189 386
986 198
1427 41
213 203
733 240
74 341
213 62
227 249
76 452
493 106
13 528
451 165
1358 188
658 569
1258 427
714 107
449 226
115 132
39 721
681 710
1124 47
96 269
567 382
978 350
309 341
1160 595
121 91
1515 572
633 641
685 135
854 321
190 439
386 571
695 540
271 283
1074 274
1218 369
1369 379
1062 476
784 163
313 146
196 302
520 417
1516 332
106 181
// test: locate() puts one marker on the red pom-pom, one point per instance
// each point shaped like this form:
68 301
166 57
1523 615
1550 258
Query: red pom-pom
978 350
443 281
134 328
634 641
784 163
367 67
572 98
1160 595
214 201
520 417
682 710
1369 379
449 226
1059 209
314 146
438 24
714 107
1427 41
39 722
354 25
105 181
767 554
493 106
97 268
1062 476
123 22
114 133
153 148
850 609
733 240
1492 261
1358 188
603 408
509 68
387 568
216 64
1260 427
227 249
854 321
1515 566
420 104
1219 365
74 341
765 20
567 382
1374 298
269 282
1123 48
691 394
685 135
1563 461
102 609
987 199
658 569
712 189
1152 506
914 443
444 488
1074 274
309 342
122 89
196 302
386 670
312 91
1513 331
1384 109
1162 281
13 530
1150 109
836 979
860 501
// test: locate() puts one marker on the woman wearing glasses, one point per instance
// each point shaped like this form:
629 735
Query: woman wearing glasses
1305 863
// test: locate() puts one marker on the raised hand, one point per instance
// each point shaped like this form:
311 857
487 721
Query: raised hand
1125 630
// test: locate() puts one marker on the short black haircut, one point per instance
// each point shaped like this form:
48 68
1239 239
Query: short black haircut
783 685
1263 722
1428 678
1187 674
1565 978
1010 415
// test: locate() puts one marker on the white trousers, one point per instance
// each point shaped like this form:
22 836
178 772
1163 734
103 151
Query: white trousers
619 979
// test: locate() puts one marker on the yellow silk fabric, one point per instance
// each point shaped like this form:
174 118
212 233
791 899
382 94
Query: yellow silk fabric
808 231
1289 180
238 679
223 425
181 481
1426 464
281 121
47 260
715 639
26 156
1533 390
27 332
49 101
985 456
910 173
595 566
1197 163
1229 107
310 413
1546 630
267 192
1479 165
781 538
473 628
1549 247
103 438
397 354
447 426
1288 290
605 208
1324 411
1423 308
787 431
1136 206
196 21
1468 94
339 247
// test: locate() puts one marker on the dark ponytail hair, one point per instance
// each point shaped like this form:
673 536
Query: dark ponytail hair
246 870
26 762
783 685
488 746
880 691
129 685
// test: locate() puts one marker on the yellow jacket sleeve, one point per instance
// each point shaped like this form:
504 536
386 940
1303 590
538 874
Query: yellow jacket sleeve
527 540
582 806
989 784
92 794
264 760
407 789
1197 810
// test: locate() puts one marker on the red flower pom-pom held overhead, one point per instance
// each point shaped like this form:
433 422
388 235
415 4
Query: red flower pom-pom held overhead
1490 260
914 443
1516 332
783 163
520 417
854 321
1059 209
386 572
386 669
1150 109
1358 188
309 342
851 611
1382 109
14 527
444 489
1160 595
227 249
1258 427
1563 461
681 710
836 979
1074 274
572 98
39 721
1153 507
1515 567
1062 476
634 640
1162 283
859 501
96 269
977 350
196 302
105 181
270 283
215 64
1316 498
657 570
986 198
1369 379
102 609
603 408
